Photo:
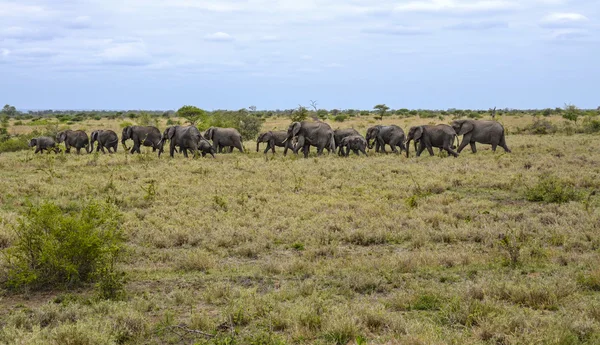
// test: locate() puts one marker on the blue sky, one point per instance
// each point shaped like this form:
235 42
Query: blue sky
438 54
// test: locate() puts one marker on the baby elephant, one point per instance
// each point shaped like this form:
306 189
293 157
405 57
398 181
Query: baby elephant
204 147
106 139
440 136
43 143
355 143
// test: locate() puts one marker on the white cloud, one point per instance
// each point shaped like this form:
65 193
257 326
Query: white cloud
125 53
11 9
219 37
479 25
4 52
564 19
457 6
568 34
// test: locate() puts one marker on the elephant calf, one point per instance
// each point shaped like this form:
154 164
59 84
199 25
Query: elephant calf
43 143
386 135
274 138
440 136
484 132
356 143
340 134
106 139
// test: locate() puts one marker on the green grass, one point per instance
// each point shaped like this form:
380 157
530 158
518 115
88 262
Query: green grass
381 249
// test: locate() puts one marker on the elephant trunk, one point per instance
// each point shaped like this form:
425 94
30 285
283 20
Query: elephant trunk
89 149
257 145
123 140
92 146
407 147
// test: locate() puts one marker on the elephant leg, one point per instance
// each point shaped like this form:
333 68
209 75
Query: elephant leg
463 144
285 150
268 148
78 150
299 144
37 150
172 149
473 148
355 152
362 149
103 150
430 150
382 146
306 150
448 149
420 150
494 145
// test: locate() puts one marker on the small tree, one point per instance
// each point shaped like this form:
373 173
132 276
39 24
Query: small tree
571 112
322 114
9 110
381 110
300 114
192 114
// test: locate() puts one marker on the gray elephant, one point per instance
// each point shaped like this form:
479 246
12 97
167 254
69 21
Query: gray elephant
224 137
106 139
76 139
142 135
386 135
274 138
356 143
43 143
184 137
484 132
318 134
204 147
340 134
440 136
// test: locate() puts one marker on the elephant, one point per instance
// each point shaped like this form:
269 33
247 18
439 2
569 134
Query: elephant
318 134
224 137
484 132
43 143
186 137
386 135
356 143
340 134
204 147
274 138
106 139
441 136
76 139
142 135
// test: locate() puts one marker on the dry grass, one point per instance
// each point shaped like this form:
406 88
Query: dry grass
327 250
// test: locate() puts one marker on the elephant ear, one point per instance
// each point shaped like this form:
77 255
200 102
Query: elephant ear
32 142
466 127
94 135
418 133
209 133
171 132
129 132
296 128
62 136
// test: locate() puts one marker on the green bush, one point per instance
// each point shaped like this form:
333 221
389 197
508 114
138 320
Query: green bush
57 249
14 144
550 189
591 125
540 127
340 118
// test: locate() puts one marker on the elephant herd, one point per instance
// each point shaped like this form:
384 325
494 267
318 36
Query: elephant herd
299 136
426 137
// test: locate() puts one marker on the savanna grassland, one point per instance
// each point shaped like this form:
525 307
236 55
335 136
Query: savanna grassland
481 249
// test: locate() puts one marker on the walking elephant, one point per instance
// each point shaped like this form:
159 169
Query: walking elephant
340 134
440 136
483 132
318 134
224 137
356 143
106 139
274 138
43 143
386 135
184 137
142 135
76 139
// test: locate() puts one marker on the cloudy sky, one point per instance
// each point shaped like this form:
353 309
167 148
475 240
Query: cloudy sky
154 54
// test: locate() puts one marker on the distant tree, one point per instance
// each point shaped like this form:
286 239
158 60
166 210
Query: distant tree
9 110
364 113
192 114
322 114
547 112
313 105
299 114
571 112
335 112
252 108
381 110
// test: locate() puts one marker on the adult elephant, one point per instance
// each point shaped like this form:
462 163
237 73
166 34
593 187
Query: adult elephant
428 137
106 139
340 134
386 135
274 138
356 143
483 132
43 143
76 139
184 137
142 135
318 134
224 137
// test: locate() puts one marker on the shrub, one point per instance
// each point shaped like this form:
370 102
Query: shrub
540 127
550 189
14 144
591 125
63 250
340 118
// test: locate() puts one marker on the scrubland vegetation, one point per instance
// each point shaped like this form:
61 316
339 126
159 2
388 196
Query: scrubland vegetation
255 249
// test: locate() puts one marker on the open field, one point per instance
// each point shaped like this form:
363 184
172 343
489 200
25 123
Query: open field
380 250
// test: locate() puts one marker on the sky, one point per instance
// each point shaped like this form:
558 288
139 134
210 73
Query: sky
232 54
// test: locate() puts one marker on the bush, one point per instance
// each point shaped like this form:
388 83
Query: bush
540 127
591 125
56 249
340 118
14 144
550 189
